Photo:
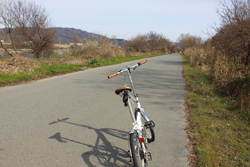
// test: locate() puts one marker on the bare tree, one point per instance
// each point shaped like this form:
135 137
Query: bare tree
187 41
156 42
137 44
233 37
34 24
28 23
7 18
152 42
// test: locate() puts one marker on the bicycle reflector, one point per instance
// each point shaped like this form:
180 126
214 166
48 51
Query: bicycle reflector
141 140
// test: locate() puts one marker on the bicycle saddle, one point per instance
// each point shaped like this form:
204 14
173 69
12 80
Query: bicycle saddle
119 90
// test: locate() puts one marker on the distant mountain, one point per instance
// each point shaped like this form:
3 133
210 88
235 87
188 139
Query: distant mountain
71 35
66 35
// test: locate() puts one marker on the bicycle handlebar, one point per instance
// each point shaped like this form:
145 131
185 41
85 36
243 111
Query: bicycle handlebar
133 67
142 62
113 75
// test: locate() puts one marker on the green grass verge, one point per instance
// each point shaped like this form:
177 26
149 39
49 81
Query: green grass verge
220 135
117 60
56 69
7 78
40 72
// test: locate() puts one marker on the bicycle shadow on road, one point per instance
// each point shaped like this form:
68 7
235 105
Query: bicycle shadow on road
102 153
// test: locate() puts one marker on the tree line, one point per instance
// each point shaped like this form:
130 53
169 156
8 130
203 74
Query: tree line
151 42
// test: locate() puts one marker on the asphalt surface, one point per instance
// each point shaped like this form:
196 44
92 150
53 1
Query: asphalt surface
76 120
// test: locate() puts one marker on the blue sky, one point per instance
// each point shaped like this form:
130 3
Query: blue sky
129 18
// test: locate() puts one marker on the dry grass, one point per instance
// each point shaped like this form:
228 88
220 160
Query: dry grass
18 64
91 54
231 77
94 50
79 55
219 136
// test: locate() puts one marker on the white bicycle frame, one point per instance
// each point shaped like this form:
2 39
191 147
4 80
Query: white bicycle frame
134 99
137 123
139 127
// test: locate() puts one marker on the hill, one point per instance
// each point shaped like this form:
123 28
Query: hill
66 35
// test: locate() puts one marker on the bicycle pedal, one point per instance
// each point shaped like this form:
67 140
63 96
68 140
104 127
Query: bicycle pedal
149 155
149 124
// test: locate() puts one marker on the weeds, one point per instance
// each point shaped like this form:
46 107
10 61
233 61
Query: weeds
219 136
56 69
55 66
94 62
229 75
17 65
94 50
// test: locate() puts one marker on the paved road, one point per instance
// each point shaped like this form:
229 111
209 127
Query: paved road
76 120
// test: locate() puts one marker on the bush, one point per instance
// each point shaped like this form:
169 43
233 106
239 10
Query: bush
226 57
94 50
95 62
232 78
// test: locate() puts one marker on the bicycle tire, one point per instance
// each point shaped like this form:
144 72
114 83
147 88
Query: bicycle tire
150 134
137 153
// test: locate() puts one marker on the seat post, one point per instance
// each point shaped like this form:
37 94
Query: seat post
132 85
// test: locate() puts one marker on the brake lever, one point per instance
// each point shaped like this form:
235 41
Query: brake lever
135 67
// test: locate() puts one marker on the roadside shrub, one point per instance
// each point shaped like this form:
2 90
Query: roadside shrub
230 76
93 50
194 55
94 62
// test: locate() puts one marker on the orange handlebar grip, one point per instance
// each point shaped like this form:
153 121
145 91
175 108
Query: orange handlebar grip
113 75
143 62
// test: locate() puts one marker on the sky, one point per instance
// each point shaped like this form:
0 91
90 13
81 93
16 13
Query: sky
128 18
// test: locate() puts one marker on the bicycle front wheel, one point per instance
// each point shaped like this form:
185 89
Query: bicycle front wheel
139 159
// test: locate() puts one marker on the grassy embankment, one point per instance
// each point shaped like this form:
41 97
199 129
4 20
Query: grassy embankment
219 134
47 69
